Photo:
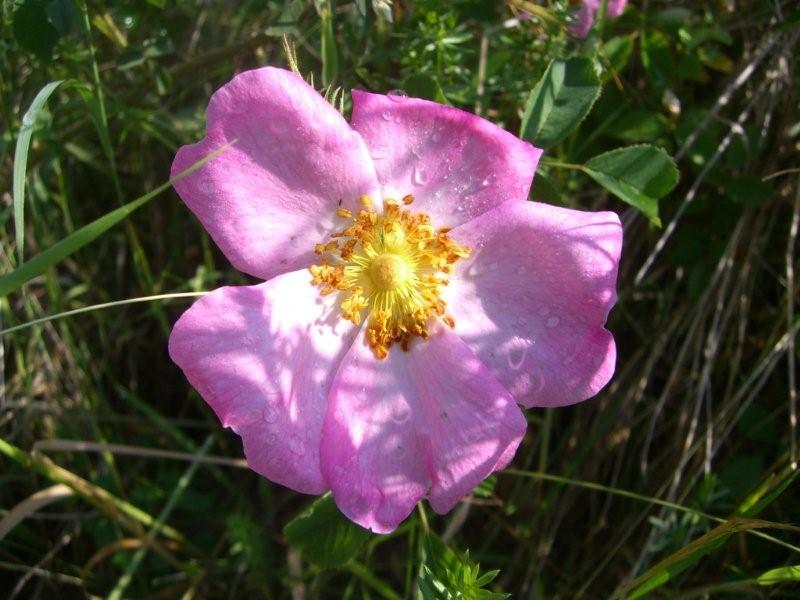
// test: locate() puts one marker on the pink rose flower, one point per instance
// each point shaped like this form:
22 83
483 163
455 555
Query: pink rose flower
413 296
588 11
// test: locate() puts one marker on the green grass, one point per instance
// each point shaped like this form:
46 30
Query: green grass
674 482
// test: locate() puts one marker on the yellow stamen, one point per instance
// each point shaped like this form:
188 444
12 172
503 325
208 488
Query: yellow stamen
391 265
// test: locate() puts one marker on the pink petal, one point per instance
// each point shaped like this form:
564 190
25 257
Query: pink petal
263 358
271 196
585 18
533 298
456 165
615 8
429 422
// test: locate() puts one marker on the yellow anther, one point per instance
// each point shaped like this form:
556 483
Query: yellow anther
389 268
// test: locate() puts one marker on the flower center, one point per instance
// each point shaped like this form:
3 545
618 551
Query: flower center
389 271
392 266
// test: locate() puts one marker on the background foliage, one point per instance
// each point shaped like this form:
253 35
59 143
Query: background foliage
675 482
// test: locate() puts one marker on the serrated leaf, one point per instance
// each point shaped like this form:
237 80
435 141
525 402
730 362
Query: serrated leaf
560 101
638 175
323 535
21 161
447 574
33 30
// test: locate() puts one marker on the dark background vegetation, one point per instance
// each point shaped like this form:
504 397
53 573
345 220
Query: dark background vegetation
697 416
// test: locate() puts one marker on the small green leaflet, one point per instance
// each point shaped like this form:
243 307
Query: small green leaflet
560 101
446 574
638 175
323 535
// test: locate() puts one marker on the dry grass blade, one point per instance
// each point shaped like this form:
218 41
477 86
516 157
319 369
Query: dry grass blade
32 504
81 446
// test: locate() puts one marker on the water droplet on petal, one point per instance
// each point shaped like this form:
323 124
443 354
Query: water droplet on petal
397 95
387 116
400 414
489 180
552 322
516 353
420 176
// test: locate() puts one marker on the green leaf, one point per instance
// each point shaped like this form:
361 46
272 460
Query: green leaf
638 175
78 239
447 574
748 190
543 190
657 59
33 30
780 575
323 535
637 126
617 51
421 85
560 101
29 121
63 15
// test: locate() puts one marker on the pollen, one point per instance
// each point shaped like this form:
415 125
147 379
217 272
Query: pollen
388 269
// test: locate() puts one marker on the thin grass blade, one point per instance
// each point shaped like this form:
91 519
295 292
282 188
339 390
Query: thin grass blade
21 161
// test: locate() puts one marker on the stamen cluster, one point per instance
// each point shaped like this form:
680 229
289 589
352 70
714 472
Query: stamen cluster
391 264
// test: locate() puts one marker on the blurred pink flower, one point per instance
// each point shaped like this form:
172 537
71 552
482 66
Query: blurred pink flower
588 11
386 353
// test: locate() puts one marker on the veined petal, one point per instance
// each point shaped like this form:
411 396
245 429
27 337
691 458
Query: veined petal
431 422
263 357
532 299
456 164
273 194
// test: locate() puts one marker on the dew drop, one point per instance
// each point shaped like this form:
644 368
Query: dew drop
516 354
420 176
552 322
489 180
387 116
271 438
401 414
397 95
